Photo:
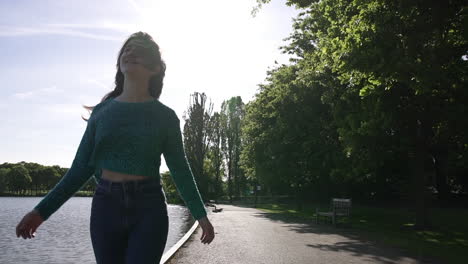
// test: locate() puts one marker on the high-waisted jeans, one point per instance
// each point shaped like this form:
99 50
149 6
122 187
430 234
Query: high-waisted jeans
129 222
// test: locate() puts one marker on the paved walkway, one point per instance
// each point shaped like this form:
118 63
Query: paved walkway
247 235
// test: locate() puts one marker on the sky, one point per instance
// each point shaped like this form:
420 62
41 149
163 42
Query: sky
60 55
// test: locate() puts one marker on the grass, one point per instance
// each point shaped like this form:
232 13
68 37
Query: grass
446 241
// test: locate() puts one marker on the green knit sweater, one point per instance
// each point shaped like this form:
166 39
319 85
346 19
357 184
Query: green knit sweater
128 137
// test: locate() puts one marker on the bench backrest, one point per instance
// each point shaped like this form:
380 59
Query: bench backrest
341 206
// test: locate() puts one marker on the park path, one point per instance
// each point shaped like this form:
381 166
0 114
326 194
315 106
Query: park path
247 235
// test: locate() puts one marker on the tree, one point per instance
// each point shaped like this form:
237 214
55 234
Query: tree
18 178
232 113
3 179
291 145
34 172
50 175
196 128
396 77
215 152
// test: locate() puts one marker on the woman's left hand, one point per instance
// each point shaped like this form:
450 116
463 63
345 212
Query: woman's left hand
208 230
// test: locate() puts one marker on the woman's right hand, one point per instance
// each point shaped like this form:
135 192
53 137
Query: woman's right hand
208 230
28 225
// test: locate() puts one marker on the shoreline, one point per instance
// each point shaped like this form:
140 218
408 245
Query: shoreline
171 252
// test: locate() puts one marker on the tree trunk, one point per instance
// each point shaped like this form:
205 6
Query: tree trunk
440 156
422 220
299 200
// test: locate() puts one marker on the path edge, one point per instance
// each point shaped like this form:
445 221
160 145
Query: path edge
171 252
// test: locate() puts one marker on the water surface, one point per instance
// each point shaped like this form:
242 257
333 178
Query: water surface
65 236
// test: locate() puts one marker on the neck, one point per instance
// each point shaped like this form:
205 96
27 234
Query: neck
135 89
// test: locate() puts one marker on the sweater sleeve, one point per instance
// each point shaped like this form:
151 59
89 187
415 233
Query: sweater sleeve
176 160
74 178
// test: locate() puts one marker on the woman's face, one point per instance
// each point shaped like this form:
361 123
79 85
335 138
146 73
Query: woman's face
138 59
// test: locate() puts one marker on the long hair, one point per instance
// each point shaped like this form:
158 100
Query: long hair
155 83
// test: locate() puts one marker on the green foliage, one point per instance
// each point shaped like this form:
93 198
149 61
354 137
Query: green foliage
292 146
18 177
28 178
371 107
297 3
170 189
215 184
3 179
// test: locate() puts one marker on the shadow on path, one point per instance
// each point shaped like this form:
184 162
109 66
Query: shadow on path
343 238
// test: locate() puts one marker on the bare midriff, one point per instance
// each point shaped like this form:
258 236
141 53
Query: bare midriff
120 177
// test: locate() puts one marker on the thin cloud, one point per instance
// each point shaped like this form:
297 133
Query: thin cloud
98 83
125 28
51 30
23 95
52 89
42 91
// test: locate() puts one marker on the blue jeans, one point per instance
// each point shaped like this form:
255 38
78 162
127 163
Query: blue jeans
129 222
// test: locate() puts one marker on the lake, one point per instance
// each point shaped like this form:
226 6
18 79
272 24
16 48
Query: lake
65 236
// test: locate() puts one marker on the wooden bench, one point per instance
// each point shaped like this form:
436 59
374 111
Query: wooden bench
338 208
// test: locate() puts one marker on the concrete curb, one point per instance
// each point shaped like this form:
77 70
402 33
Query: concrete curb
171 252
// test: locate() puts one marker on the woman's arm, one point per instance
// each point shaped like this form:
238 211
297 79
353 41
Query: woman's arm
74 178
176 161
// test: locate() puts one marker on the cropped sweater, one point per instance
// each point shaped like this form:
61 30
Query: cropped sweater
128 137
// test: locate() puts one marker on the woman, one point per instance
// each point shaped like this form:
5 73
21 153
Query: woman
125 136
